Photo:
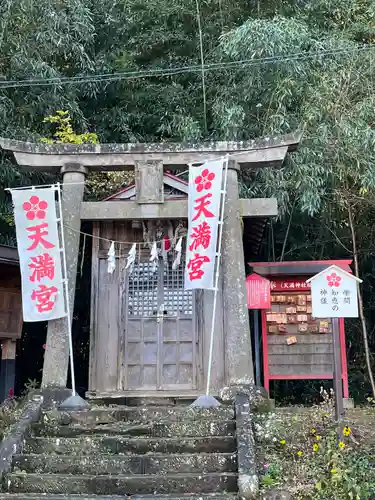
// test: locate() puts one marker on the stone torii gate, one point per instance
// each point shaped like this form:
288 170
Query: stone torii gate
148 162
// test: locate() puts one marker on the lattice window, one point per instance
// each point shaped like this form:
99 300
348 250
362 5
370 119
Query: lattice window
143 290
177 301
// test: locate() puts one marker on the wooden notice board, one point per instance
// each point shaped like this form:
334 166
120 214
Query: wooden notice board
296 345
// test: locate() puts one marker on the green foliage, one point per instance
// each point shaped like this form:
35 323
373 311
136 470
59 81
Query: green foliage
37 40
64 133
272 476
301 452
99 184
350 477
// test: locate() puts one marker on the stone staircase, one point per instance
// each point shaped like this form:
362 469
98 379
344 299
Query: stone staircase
119 452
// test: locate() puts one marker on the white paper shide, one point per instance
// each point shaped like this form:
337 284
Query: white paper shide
39 253
205 185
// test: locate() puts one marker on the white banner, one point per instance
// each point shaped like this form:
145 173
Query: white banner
39 253
204 210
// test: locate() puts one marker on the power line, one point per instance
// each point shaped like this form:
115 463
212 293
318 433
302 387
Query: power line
159 72
193 68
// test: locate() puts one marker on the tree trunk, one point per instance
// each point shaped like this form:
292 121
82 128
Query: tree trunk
287 232
273 243
360 301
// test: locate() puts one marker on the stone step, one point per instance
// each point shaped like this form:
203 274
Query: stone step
122 445
33 496
186 428
276 495
97 464
121 485
141 414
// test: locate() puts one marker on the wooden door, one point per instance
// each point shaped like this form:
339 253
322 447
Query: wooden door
160 344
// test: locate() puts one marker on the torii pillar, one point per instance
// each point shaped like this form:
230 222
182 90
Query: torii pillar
239 362
56 359
73 161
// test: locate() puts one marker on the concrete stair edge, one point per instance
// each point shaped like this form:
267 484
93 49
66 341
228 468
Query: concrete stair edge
83 445
174 484
103 464
153 429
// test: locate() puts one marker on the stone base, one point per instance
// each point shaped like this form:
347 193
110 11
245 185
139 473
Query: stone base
248 486
205 402
74 403
267 406
257 396
52 396
349 404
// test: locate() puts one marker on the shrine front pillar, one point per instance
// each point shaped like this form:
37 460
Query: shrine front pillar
239 362
56 358
8 369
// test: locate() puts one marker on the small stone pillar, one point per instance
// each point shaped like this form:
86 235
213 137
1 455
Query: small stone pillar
239 361
56 358
8 369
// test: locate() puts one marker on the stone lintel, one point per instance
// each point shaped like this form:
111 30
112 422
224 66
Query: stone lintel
170 209
116 162
291 140
117 157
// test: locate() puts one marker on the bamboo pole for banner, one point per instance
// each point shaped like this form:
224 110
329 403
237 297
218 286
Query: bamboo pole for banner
66 289
217 275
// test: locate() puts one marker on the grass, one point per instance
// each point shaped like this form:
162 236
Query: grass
303 452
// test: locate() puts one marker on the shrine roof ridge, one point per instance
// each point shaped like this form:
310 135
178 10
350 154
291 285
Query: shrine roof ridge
9 255
333 267
290 140
295 268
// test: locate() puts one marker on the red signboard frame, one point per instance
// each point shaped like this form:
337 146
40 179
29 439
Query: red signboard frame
283 282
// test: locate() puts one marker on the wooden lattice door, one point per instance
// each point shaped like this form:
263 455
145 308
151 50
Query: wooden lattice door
160 344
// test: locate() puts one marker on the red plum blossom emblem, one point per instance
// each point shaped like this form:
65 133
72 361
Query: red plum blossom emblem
35 208
334 280
204 181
